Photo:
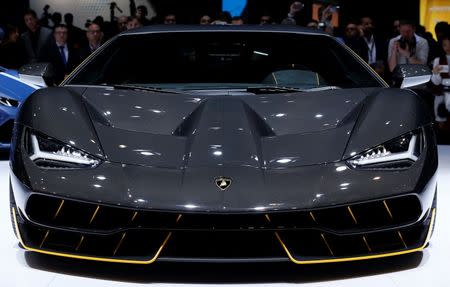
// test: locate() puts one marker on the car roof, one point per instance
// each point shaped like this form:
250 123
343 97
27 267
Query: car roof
224 28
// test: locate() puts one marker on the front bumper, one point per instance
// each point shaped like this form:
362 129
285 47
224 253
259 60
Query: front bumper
359 231
137 215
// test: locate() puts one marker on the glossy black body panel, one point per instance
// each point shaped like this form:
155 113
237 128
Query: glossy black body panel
253 190
283 152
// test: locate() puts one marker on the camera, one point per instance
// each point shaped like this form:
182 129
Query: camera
402 42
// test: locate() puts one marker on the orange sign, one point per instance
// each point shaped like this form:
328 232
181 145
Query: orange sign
432 12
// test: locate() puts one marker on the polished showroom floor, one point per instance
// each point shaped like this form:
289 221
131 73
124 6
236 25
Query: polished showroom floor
430 268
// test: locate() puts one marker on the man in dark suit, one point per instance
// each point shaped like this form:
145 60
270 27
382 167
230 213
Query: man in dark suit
94 36
374 48
60 54
35 38
75 34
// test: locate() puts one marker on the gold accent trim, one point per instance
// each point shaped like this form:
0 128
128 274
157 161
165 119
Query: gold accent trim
421 248
120 243
353 215
59 209
79 243
401 238
44 239
95 213
388 209
367 243
102 259
326 243
134 216
312 216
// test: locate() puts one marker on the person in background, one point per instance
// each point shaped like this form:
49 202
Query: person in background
434 48
122 23
12 50
56 19
133 23
94 36
170 19
223 19
75 35
294 10
441 30
407 48
99 21
352 38
374 48
60 54
35 38
395 28
237 20
205 20
313 24
141 14
265 20
441 72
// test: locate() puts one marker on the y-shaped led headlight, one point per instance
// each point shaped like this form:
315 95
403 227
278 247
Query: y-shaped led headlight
49 153
400 152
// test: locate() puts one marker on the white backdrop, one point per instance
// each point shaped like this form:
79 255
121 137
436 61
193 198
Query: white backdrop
86 9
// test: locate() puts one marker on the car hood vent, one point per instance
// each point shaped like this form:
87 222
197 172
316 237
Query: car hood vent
270 131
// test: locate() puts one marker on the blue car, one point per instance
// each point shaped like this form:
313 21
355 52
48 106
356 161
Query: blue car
13 92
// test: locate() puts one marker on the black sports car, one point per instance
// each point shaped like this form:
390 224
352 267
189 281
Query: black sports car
224 144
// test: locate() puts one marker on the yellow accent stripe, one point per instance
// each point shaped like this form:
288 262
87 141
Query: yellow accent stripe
401 238
288 253
430 229
312 216
45 238
79 243
326 243
59 209
102 259
367 244
134 216
95 213
388 209
120 243
353 215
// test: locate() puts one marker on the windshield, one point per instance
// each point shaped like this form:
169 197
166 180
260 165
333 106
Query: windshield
224 60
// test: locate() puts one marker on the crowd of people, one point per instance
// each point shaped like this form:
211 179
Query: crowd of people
48 39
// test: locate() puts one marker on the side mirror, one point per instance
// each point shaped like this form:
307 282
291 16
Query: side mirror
39 74
411 75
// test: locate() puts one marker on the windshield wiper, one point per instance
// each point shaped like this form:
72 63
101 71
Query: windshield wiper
273 90
145 88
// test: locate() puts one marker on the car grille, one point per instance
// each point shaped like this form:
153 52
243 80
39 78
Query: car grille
100 231
6 131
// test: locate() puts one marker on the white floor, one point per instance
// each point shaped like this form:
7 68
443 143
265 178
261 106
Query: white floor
430 268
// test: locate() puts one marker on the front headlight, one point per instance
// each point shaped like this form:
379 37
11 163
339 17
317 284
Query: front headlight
46 152
398 153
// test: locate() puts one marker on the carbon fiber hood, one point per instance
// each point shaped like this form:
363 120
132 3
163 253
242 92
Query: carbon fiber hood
189 130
